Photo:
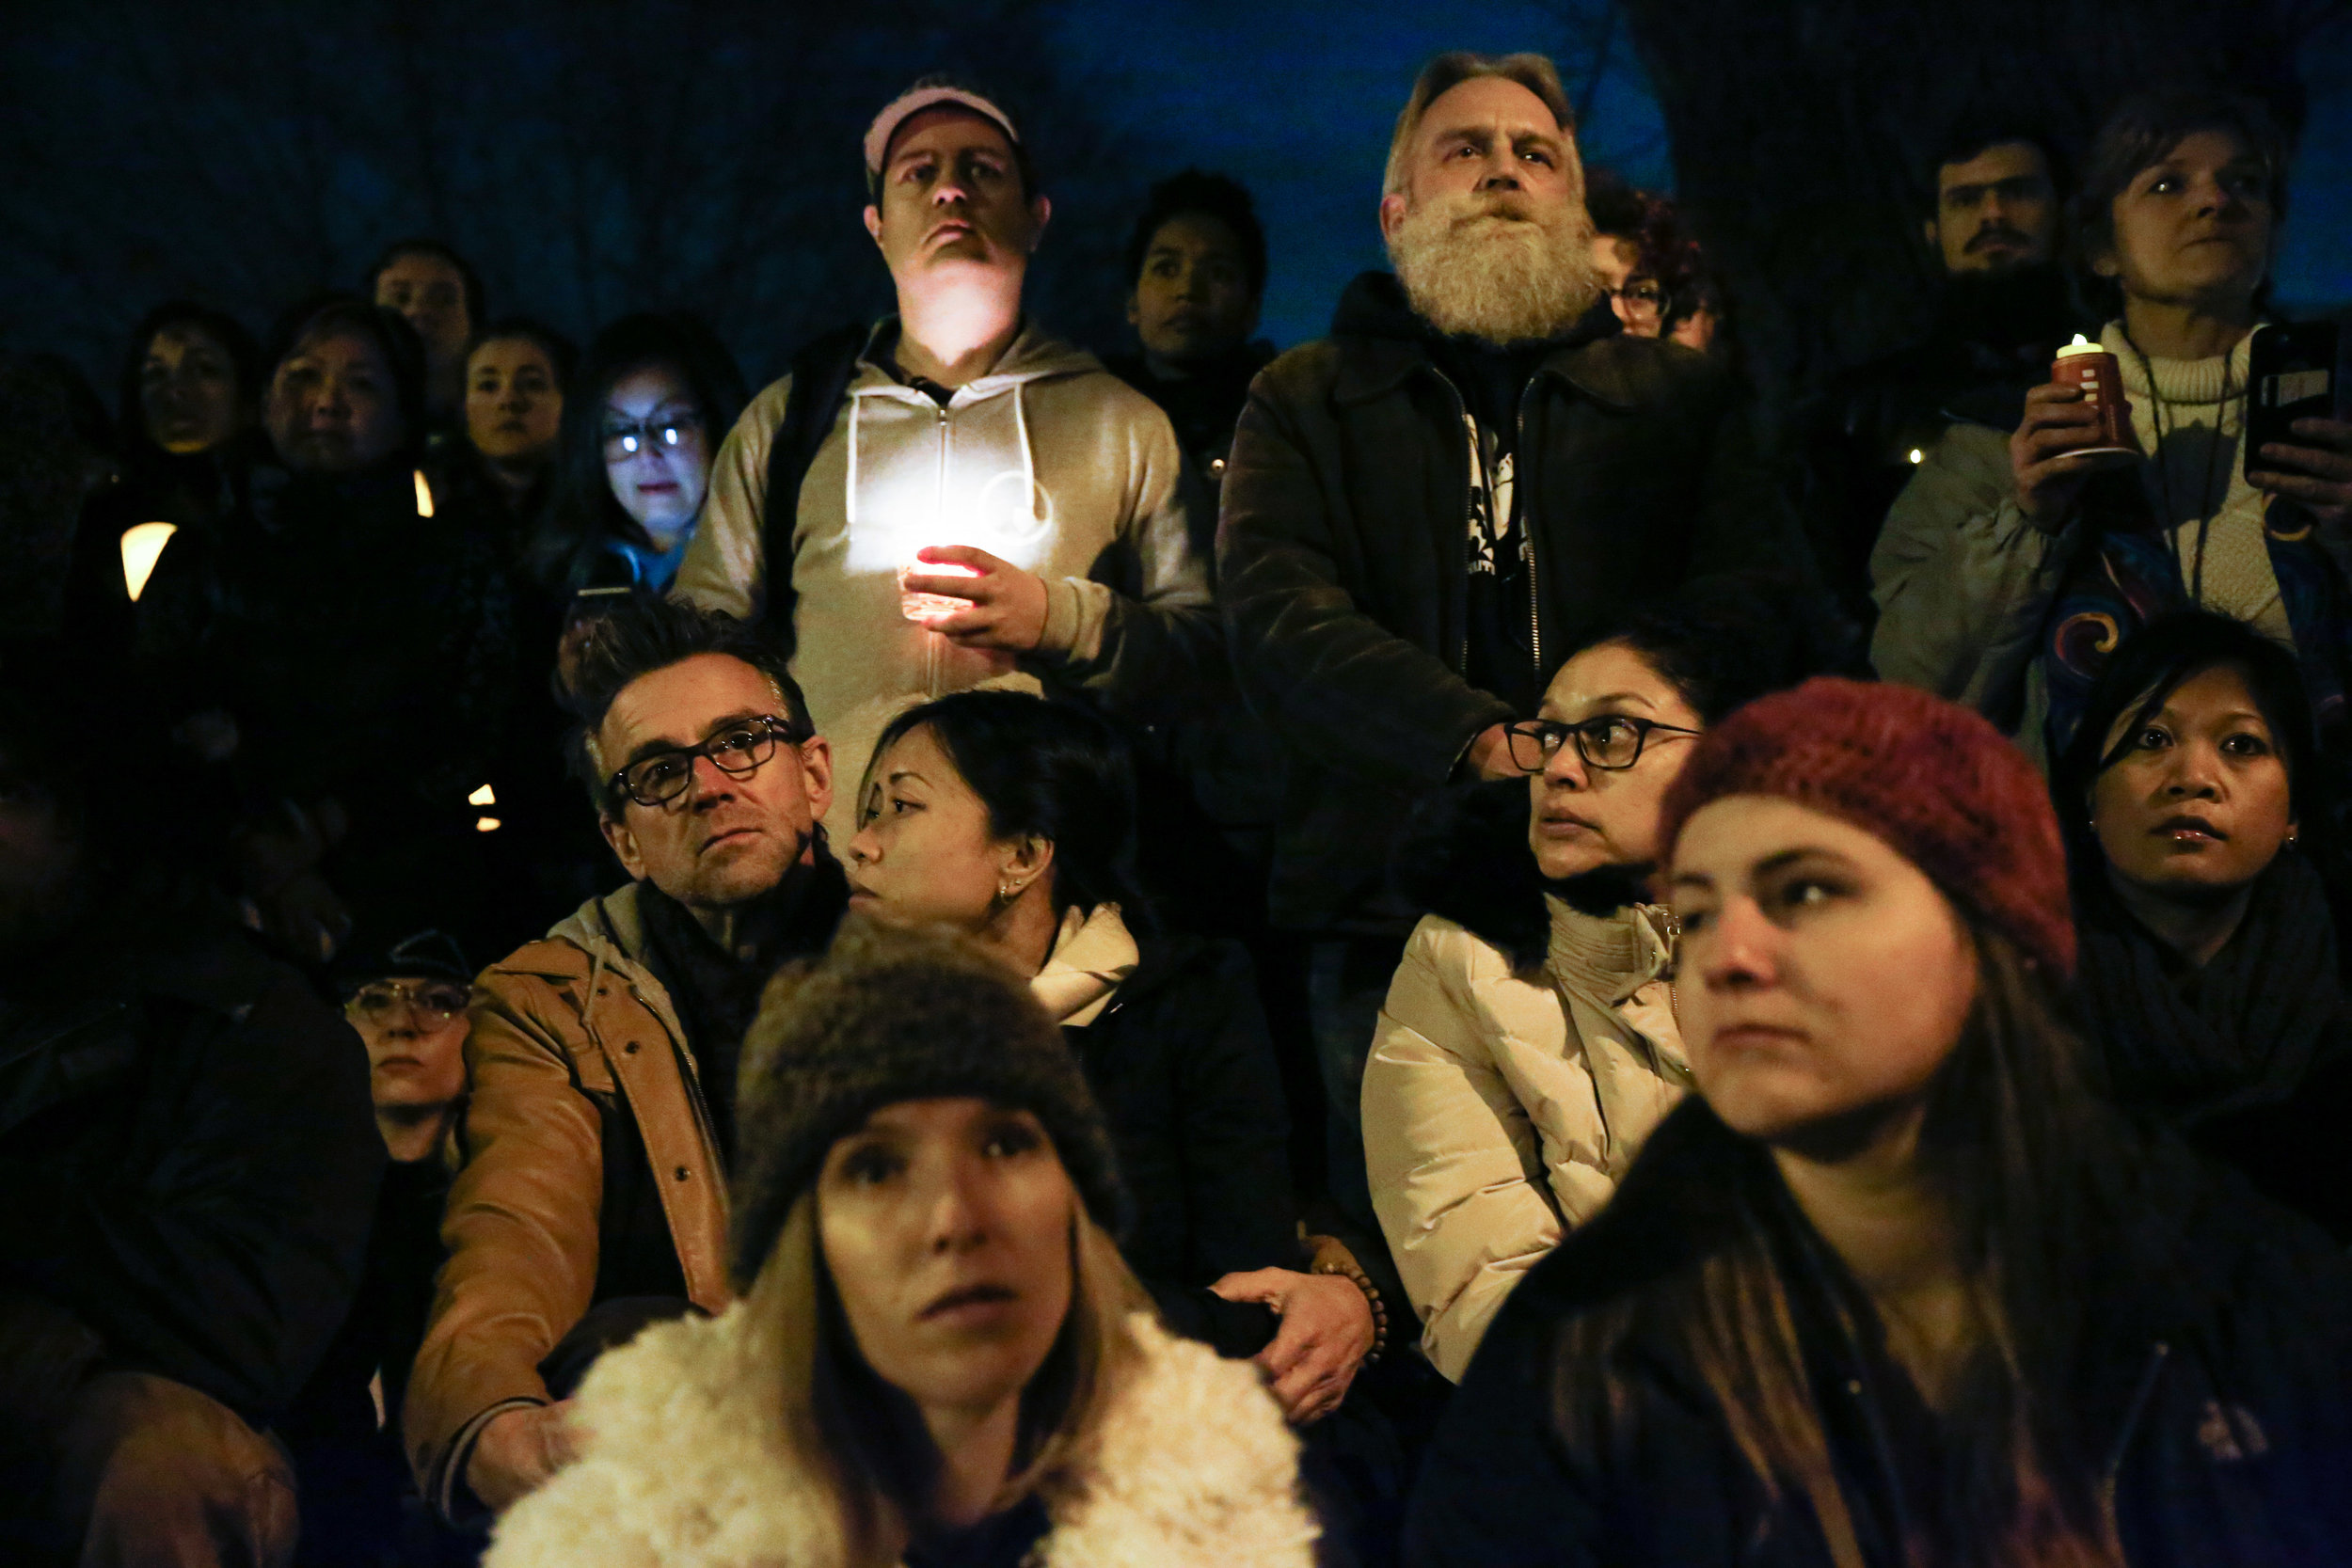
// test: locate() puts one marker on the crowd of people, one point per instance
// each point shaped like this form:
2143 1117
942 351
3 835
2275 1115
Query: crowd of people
1408 952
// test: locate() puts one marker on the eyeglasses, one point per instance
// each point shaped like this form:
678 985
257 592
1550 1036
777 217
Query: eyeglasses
434 1001
1612 741
627 440
737 751
1645 293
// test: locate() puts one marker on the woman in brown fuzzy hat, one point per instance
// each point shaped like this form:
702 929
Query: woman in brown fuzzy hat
1892 1286
937 1356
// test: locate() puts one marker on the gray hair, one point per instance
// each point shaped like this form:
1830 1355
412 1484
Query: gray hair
1441 75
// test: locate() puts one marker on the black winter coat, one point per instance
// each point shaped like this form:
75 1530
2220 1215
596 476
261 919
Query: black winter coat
1342 560
2219 1383
191 1165
1182 1065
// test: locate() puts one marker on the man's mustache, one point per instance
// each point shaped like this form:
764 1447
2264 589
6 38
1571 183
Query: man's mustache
1997 233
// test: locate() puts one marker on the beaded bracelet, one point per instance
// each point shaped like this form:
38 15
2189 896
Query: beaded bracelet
1353 1273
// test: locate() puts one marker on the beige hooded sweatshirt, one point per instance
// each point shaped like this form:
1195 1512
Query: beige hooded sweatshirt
1048 461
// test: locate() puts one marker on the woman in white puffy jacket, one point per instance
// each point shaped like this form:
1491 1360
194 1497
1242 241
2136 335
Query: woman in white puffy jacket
1529 1042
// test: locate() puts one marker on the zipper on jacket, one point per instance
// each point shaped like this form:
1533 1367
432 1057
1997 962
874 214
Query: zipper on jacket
934 645
1521 471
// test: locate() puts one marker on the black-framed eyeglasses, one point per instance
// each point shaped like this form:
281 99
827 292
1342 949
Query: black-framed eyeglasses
627 440
1644 291
737 751
434 1001
1612 741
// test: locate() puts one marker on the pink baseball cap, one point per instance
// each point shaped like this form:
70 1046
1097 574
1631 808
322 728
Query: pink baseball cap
929 93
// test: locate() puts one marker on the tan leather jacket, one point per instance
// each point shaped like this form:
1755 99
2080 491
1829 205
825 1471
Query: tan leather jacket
562 1024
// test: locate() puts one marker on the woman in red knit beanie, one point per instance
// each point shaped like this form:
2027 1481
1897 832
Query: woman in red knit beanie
1892 1286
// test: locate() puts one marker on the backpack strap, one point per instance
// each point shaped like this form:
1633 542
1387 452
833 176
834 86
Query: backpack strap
821 371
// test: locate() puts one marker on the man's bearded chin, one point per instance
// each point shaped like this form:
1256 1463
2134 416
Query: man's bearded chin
1496 267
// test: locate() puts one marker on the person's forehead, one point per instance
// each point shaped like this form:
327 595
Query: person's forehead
421 266
1609 668
2001 161
1197 235
1732 832
183 336
512 352
2216 145
337 347
680 701
945 128
941 1114
1488 104
648 387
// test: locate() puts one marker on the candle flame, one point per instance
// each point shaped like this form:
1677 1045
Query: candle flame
2080 341
485 824
485 796
424 495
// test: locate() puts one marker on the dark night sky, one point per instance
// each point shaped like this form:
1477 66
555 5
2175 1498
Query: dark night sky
1297 99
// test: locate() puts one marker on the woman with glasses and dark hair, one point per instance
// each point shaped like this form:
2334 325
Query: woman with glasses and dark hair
1529 1042
645 410
2208 876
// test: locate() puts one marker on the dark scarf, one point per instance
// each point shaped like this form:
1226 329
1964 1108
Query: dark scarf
2248 1029
716 993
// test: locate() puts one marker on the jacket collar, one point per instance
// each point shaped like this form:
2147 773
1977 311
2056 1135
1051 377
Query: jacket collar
1194 1468
2167 1268
1385 343
1608 956
1034 354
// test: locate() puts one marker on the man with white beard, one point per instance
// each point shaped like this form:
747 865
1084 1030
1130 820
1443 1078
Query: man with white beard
1427 512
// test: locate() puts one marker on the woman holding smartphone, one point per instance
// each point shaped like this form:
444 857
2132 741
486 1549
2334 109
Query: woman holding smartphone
2008 568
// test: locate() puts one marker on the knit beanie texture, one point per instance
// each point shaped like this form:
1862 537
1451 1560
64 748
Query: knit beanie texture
1936 782
890 1015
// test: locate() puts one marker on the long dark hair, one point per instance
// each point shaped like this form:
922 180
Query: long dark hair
2024 1156
1049 769
585 516
244 356
2140 676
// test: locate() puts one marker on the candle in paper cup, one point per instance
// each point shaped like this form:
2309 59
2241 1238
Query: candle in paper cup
923 608
2091 371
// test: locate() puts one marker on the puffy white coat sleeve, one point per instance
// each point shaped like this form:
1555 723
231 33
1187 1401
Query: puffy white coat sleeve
1455 1165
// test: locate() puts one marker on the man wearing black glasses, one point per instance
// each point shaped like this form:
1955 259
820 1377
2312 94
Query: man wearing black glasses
601 1123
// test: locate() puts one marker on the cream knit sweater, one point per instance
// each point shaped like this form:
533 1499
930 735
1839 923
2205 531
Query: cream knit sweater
2190 424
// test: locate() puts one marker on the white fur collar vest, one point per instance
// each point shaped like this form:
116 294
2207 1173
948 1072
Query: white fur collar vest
1196 1470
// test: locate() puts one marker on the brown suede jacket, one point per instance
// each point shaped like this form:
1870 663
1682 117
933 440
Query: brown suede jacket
565 1032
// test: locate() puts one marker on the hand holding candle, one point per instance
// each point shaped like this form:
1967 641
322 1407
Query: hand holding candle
2074 425
989 602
